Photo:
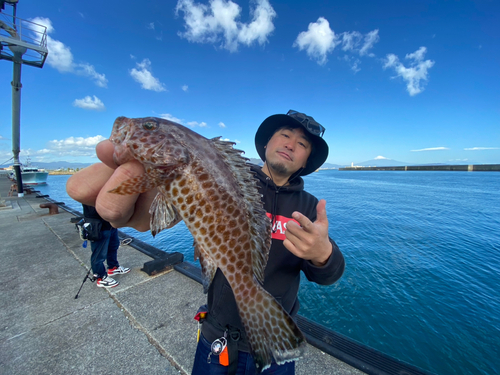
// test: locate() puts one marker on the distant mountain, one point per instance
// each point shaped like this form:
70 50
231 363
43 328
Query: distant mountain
324 166
369 163
54 165
382 163
256 161
331 166
66 164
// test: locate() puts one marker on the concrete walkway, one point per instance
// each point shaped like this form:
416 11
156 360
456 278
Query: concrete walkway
143 326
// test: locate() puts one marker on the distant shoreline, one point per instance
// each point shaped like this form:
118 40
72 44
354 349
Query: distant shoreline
61 173
462 168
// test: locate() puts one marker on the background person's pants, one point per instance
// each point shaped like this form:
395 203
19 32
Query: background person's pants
106 249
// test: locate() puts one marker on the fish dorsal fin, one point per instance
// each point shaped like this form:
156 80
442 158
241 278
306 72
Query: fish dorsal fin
259 223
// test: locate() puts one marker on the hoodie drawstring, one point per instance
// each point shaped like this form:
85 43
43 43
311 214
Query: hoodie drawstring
274 207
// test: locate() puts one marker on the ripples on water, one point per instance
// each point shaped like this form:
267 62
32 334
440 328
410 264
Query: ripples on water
423 264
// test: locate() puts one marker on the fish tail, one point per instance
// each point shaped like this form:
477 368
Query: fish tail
270 330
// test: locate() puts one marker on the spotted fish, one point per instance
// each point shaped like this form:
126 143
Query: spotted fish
209 185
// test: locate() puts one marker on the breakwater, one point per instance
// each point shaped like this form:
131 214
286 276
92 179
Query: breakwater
455 168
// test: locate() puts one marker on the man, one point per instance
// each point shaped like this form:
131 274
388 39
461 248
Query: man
291 146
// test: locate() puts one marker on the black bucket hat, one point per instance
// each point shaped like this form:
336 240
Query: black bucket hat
315 132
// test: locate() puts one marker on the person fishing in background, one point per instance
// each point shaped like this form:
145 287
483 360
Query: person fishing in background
105 248
291 146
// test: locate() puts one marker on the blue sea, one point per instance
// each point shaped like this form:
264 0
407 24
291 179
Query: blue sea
422 278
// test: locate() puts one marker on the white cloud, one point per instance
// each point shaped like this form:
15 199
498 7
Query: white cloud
229 140
2 138
432 149
61 58
144 76
318 40
355 41
73 143
194 124
151 26
369 41
481 148
413 75
351 40
94 103
217 23
72 147
169 117
354 62
89 71
185 88
222 125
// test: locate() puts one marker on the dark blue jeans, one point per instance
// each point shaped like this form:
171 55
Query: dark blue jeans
105 249
246 365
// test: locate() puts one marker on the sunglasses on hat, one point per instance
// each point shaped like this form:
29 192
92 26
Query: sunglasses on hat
308 122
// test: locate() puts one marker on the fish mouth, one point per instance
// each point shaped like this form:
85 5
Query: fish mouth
119 137
121 128
122 154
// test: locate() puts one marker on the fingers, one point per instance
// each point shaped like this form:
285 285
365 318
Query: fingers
105 151
125 210
321 216
304 221
306 224
309 240
84 186
91 186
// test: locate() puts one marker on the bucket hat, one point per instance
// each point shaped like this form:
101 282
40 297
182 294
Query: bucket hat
293 118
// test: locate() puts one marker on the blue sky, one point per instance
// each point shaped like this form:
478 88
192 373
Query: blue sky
413 81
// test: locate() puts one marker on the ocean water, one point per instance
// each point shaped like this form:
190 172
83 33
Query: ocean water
422 253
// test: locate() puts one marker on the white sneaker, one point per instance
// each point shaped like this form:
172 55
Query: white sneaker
106 282
118 271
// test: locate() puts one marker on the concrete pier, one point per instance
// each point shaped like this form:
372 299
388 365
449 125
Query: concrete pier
143 326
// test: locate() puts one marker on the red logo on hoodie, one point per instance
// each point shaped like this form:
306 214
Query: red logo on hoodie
279 226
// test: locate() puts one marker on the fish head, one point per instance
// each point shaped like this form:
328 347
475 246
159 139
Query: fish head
153 141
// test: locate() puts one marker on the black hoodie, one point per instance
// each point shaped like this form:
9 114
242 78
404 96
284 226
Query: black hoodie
282 273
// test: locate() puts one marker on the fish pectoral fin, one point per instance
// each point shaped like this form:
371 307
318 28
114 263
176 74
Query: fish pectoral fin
163 214
197 253
136 185
208 266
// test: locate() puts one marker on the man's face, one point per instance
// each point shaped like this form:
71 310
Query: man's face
287 151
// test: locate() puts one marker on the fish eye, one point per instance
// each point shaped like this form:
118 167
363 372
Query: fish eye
149 125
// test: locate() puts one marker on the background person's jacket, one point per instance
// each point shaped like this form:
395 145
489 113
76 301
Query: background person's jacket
91 213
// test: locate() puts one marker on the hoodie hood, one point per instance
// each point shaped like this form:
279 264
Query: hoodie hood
295 184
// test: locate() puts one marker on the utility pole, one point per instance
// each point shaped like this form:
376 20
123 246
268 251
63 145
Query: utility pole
22 42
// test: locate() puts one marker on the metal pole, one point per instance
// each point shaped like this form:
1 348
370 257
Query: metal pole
16 121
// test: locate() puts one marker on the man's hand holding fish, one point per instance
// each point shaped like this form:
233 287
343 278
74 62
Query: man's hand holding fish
91 186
